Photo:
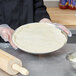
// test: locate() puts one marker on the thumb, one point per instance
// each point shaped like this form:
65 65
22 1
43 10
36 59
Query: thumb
4 37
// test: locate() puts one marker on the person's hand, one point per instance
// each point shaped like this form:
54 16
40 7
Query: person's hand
59 26
6 34
63 28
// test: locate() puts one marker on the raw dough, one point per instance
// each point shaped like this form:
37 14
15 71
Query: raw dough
39 38
73 60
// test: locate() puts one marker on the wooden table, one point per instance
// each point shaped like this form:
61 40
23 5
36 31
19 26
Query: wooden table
66 17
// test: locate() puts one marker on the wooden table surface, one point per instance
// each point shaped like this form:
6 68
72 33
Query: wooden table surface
66 17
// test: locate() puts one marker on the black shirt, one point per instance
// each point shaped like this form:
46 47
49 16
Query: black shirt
18 12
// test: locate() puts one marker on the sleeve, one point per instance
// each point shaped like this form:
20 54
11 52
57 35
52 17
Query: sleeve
40 11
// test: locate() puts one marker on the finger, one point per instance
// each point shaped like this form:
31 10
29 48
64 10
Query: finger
10 40
13 45
63 28
4 35
66 30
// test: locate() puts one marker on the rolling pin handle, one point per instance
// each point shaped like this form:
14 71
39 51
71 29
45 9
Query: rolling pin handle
20 69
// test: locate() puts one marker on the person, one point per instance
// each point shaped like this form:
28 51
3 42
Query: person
14 13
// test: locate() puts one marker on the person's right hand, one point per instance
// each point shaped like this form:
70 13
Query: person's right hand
6 34
57 25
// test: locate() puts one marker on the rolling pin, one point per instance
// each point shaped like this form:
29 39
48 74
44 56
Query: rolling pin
11 64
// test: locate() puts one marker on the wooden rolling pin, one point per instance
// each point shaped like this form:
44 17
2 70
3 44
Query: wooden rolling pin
11 64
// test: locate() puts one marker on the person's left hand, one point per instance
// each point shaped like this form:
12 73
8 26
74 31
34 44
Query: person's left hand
59 26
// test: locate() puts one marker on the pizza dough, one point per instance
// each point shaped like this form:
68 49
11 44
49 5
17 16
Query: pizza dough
39 38
73 60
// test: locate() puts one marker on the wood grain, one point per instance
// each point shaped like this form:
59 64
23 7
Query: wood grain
66 17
